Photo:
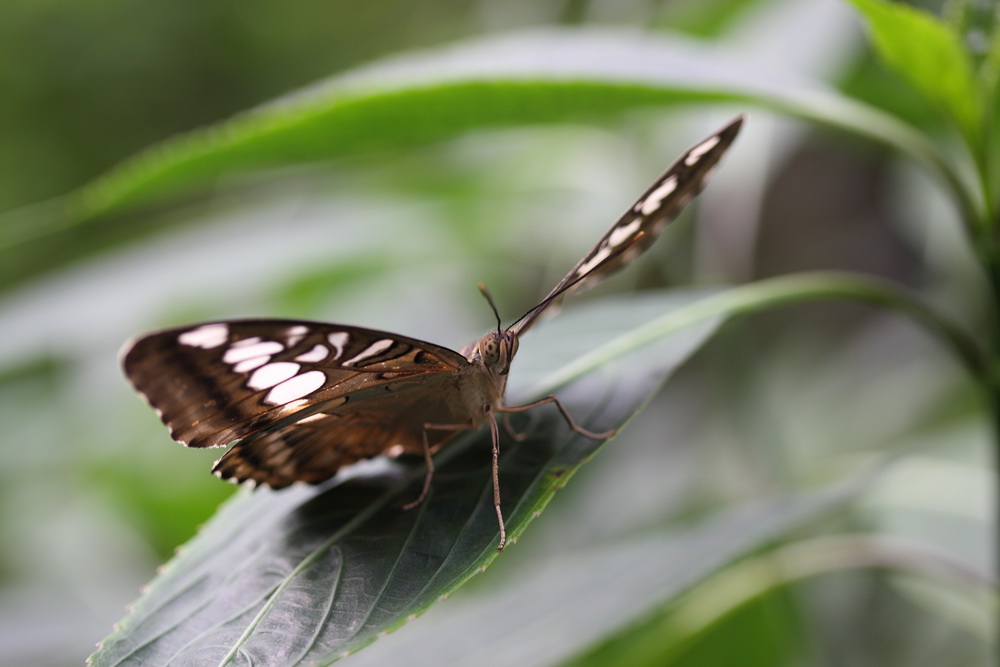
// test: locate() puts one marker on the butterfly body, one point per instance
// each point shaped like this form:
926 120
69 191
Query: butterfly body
299 400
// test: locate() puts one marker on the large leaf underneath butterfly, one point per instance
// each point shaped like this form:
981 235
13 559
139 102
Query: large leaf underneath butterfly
616 587
305 574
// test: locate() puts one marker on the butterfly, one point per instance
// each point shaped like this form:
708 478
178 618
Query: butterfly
299 400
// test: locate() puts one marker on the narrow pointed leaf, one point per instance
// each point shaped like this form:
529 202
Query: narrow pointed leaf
930 56
540 76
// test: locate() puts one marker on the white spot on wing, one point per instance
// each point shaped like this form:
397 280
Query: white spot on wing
621 234
248 365
252 340
315 355
313 418
370 351
206 336
695 154
296 333
656 197
598 257
295 388
237 354
271 374
293 405
338 339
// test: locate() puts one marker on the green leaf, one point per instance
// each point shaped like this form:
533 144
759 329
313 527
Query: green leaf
612 589
800 287
931 57
420 98
307 574
686 629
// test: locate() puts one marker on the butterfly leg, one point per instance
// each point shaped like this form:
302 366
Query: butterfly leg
429 459
427 479
514 435
565 413
495 435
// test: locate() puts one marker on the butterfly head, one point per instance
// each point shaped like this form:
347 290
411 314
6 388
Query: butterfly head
496 350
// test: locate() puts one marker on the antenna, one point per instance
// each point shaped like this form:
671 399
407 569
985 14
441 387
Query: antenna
489 299
567 284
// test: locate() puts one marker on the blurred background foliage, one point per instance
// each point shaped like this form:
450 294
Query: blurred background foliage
94 495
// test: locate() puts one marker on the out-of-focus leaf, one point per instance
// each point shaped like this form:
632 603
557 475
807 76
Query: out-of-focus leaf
418 98
768 631
685 631
306 574
930 56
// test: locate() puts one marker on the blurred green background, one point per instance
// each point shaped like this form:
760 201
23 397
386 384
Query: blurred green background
94 495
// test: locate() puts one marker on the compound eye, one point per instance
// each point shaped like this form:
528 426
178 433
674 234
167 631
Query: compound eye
511 341
508 348
489 349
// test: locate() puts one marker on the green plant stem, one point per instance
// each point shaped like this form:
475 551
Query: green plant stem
785 290
684 622
807 287
850 116
993 397
751 579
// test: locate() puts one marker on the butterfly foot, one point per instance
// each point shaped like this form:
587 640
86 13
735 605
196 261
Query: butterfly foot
416 503
425 491
427 478
503 533
511 431
606 435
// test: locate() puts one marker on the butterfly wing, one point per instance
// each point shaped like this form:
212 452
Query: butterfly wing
301 399
643 222
315 448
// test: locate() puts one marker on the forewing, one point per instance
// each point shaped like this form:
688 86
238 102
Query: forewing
643 222
216 383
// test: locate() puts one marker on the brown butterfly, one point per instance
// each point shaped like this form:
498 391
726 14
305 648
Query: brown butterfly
300 399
